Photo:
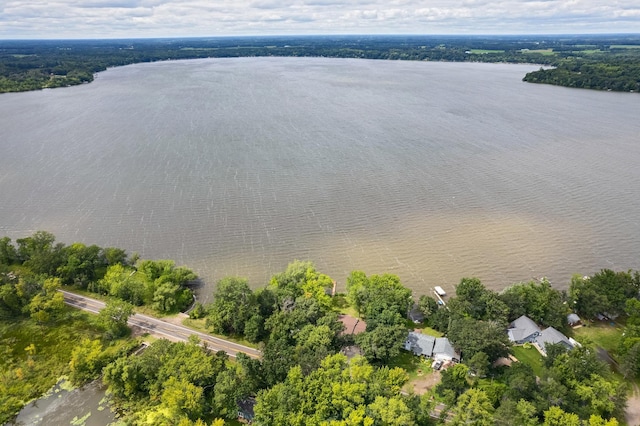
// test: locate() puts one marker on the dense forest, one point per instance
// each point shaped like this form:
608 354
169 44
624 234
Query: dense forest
605 62
304 376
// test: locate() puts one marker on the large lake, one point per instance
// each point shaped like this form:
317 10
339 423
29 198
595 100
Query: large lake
432 171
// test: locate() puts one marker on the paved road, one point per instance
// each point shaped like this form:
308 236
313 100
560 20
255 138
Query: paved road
164 328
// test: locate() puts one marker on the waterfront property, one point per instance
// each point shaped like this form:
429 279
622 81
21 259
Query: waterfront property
438 348
523 330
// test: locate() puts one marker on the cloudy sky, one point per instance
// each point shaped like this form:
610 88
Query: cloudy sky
177 18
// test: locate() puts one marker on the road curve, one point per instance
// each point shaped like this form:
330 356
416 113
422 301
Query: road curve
164 328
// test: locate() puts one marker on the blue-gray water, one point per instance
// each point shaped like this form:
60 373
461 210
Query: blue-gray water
432 171
86 406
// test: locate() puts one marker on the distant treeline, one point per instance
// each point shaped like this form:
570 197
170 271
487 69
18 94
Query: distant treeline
595 62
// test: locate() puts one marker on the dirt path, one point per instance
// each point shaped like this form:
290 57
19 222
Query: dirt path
632 414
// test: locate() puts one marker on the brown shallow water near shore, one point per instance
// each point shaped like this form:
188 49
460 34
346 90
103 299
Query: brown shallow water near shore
432 171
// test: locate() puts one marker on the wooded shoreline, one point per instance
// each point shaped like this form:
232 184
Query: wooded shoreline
602 62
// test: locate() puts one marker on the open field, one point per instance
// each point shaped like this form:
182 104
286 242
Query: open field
545 52
485 51
602 334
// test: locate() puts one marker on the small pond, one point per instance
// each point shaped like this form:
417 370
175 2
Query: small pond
86 406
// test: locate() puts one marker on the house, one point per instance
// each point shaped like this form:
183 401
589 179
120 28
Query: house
415 314
523 330
573 319
443 350
420 344
550 336
245 409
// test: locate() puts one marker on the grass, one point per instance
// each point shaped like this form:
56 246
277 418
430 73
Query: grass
600 333
587 51
529 356
485 51
415 366
429 331
624 46
199 325
544 52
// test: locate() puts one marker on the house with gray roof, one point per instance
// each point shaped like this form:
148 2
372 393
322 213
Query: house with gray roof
523 330
420 344
443 350
550 336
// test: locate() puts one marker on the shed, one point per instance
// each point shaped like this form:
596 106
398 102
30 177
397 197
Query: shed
415 314
573 319
245 409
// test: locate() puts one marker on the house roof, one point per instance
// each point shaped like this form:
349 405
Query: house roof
415 314
444 347
352 325
522 328
420 344
245 408
550 336
573 319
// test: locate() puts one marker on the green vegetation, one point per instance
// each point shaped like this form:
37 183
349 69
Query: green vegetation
530 356
35 356
597 61
485 51
602 334
302 378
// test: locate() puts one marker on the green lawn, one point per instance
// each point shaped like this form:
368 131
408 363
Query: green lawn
485 51
429 332
601 334
624 46
415 366
529 356
545 52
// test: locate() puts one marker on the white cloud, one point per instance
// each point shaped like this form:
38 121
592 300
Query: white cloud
157 18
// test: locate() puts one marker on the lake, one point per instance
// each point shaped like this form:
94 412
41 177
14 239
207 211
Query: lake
432 171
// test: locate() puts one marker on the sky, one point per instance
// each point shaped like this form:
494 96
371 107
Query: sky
194 18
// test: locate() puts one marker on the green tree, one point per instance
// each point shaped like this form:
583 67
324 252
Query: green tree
182 398
428 306
8 253
384 337
113 318
473 408
479 364
522 413
39 253
233 305
537 300
86 361
391 412
556 416
454 381
471 336
47 304
80 264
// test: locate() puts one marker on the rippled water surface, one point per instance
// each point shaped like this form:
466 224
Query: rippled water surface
432 171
